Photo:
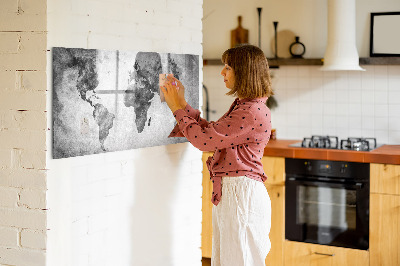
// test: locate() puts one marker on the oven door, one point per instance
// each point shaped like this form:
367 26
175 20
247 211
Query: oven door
327 213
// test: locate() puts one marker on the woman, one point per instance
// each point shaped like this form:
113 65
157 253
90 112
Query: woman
242 208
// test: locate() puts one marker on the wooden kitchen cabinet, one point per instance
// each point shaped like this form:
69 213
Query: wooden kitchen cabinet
305 254
384 236
385 178
206 225
274 168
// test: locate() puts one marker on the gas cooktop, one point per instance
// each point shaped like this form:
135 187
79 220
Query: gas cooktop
332 142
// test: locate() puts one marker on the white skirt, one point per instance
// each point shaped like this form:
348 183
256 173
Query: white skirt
241 223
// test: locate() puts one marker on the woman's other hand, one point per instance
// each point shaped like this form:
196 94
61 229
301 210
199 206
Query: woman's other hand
173 95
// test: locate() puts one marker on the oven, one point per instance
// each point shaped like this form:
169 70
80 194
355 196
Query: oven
327 202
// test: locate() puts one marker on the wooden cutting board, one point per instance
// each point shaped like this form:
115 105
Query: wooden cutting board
239 35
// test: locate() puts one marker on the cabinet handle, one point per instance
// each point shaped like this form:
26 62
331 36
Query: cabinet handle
325 254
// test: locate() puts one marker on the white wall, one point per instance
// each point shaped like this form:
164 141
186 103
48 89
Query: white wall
136 207
23 133
305 18
311 102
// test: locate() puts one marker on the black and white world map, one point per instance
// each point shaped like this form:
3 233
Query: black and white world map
105 101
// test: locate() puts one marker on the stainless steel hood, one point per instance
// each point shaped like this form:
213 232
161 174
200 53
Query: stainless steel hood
341 51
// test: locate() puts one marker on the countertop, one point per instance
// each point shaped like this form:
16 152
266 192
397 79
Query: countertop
389 154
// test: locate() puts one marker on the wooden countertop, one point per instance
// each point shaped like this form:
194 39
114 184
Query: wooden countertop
389 154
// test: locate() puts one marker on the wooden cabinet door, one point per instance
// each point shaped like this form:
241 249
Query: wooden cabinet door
385 178
305 254
274 168
277 233
206 226
384 236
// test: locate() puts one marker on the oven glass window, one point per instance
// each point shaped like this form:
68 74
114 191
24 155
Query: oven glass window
327 207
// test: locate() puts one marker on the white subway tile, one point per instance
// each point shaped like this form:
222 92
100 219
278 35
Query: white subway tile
381 97
381 110
394 137
355 122
394 123
380 84
355 96
291 71
382 123
394 110
368 123
380 71
367 96
394 97
382 136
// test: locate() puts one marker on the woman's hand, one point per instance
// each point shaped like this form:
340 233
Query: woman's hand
181 91
172 95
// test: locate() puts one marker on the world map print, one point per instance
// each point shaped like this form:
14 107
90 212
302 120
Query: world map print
105 101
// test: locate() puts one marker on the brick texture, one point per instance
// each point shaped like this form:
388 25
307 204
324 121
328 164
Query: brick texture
23 126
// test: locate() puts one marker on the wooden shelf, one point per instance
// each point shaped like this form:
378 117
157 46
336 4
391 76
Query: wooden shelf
274 63
380 61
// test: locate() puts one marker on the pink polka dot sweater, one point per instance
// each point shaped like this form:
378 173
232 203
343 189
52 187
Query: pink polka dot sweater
238 139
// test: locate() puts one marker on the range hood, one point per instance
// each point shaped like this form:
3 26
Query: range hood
341 51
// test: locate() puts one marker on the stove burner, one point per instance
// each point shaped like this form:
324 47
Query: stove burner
328 142
358 144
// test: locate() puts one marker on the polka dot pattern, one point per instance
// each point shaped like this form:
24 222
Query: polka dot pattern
238 139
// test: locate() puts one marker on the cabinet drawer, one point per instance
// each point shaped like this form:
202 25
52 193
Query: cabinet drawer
305 254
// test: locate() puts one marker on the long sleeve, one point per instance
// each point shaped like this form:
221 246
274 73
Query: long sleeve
232 130
193 113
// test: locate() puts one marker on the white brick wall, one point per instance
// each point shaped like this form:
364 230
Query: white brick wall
22 132
136 207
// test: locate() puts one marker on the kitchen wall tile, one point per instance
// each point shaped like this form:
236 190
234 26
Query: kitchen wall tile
355 96
380 71
329 109
381 110
342 109
328 74
367 96
342 96
382 123
355 109
367 133
368 110
381 97
291 71
329 122
355 132
393 71
394 137
304 72
394 123
304 82
342 122
380 84
368 123
354 122
394 97
394 110
342 80
317 108
315 72
292 83
381 136
394 83
367 81
366 99
354 80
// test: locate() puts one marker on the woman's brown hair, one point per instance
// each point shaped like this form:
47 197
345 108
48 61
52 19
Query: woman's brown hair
250 66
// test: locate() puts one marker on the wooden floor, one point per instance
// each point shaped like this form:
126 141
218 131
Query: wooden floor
206 261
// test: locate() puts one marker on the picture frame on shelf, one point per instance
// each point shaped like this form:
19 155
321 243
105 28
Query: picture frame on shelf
384 39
